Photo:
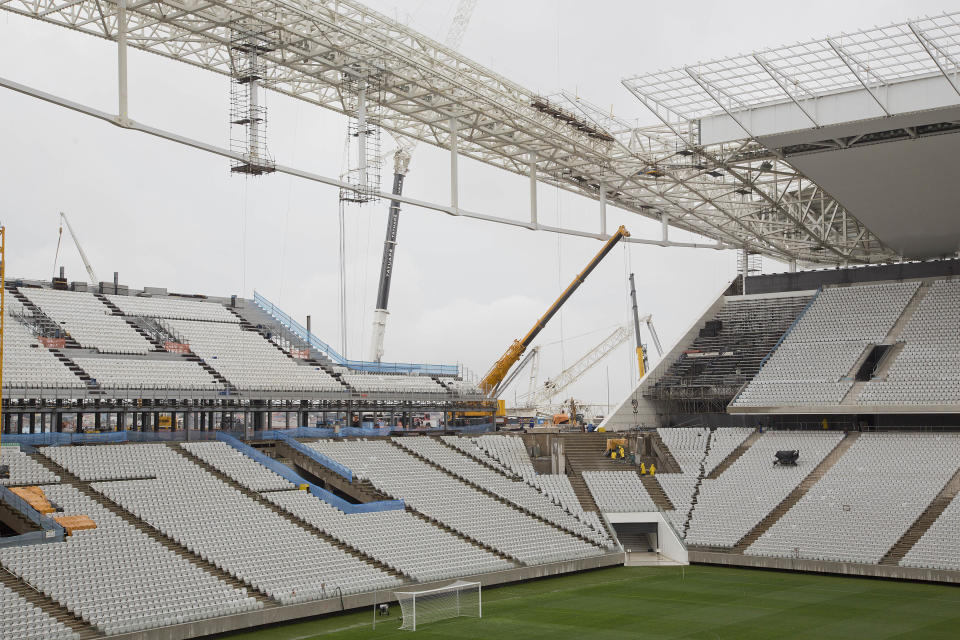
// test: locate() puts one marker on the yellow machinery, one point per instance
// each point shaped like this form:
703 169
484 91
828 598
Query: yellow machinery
501 367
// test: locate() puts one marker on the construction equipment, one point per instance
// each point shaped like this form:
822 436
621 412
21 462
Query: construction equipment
76 241
532 357
642 362
401 164
4 469
501 367
541 397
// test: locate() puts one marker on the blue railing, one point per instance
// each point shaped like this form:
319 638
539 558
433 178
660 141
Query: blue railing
51 531
319 458
55 439
290 475
359 365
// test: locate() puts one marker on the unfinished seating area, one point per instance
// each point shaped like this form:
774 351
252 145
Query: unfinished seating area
618 491
510 452
814 363
30 365
396 538
866 501
88 321
239 467
248 360
729 350
517 492
22 620
139 373
464 509
927 370
729 506
24 470
380 383
173 308
118 579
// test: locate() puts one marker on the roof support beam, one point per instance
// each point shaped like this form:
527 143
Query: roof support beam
785 83
940 57
861 72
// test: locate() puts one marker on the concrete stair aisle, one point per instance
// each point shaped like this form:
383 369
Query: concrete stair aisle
666 462
45 321
48 605
926 519
496 497
476 543
696 488
794 496
734 455
481 460
76 369
84 488
358 491
15 521
192 357
652 485
303 524
115 310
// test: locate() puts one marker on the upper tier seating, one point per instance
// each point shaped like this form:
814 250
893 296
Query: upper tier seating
510 452
173 308
939 547
139 373
378 383
230 530
461 387
458 506
24 470
519 493
396 538
927 370
27 363
729 506
719 362
21 620
244 470
118 579
88 321
248 360
866 501
618 491
812 366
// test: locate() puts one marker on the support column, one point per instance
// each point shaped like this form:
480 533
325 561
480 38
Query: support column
97 420
122 61
454 178
532 159
793 266
603 209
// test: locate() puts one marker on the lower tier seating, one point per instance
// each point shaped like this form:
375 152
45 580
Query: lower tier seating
21 620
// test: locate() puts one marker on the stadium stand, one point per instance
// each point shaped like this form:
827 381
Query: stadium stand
372 382
29 364
510 452
519 493
172 308
396 538
24 470
618 491
865 502
729 506
247 360
469 447
464 509
118 579
927 370
813 364
939 547
131 373
88 321
20 619
242 469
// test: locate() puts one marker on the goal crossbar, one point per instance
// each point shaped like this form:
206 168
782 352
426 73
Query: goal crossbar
460 598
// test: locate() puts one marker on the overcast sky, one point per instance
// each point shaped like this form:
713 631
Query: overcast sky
165 215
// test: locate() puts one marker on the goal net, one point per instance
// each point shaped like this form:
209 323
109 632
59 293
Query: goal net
421 607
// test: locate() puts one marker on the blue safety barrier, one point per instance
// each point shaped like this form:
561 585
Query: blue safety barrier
319 458
56 439
359 365
51 531
290 475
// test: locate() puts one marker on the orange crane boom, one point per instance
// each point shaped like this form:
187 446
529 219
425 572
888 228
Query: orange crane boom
502 366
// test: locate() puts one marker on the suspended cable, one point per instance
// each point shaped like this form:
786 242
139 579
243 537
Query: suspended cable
342 247
286 217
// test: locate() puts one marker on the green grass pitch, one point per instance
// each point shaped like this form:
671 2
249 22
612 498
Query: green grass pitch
674 602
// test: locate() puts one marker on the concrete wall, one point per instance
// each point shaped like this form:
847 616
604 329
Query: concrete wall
274 615
820 566
669 543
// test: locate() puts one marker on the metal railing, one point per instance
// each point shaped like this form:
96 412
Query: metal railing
359 365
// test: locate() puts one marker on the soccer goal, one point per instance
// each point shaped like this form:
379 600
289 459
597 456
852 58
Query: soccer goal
430 605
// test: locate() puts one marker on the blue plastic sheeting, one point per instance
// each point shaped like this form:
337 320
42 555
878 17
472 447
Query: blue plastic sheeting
53 439
359 365
52 531
298 432
319 458
290 475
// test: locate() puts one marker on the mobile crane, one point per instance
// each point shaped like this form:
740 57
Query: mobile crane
501 367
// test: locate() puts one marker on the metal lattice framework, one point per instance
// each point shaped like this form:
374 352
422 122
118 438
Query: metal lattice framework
740 194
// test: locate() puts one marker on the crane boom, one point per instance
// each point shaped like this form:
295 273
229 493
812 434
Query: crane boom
502 366
83 256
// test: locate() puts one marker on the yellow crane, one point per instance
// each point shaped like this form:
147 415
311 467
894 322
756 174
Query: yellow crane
502 366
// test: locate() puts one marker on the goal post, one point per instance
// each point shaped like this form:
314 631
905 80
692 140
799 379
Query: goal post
457 599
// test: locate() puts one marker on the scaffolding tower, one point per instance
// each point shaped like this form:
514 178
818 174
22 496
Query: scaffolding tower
362 91
248 114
